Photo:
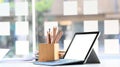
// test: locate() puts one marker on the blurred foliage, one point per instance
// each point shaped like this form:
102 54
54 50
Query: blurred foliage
43 5
12 4
40 6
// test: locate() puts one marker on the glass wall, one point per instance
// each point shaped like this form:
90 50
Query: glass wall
16 27
69 22
18 17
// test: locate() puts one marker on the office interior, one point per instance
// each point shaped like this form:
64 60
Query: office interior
24 24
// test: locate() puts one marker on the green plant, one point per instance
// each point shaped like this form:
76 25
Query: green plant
43 5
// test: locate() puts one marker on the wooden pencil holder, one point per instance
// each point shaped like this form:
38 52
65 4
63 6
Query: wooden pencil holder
48 52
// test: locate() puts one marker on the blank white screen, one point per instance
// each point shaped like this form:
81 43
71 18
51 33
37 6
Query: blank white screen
80 46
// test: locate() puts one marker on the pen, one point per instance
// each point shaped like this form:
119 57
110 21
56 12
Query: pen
49 37
54 32
57 37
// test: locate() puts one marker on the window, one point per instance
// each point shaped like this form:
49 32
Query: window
25 28
15 27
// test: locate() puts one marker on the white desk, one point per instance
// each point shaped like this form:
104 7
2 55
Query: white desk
104 63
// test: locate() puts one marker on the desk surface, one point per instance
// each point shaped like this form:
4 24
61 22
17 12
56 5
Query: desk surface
104 63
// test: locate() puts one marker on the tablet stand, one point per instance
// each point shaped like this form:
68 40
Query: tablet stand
92 58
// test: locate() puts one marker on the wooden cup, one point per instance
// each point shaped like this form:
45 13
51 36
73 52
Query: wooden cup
48 52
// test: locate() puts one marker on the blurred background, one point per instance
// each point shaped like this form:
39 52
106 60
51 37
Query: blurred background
24 23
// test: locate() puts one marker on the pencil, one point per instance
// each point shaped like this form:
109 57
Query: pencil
54 32
49 37
57 37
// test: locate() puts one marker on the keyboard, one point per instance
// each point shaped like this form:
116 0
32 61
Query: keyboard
59 62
